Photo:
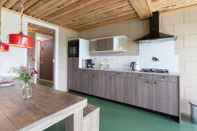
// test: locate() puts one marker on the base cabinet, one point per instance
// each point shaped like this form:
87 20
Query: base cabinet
154 92
145 92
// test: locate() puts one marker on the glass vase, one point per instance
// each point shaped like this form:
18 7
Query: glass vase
27 91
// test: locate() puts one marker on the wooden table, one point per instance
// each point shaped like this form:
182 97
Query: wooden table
44 109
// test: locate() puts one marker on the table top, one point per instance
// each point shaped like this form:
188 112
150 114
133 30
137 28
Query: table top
17 113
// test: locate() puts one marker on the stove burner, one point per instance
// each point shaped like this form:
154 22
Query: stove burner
155 70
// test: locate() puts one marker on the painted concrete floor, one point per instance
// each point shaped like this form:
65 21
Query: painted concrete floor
118 117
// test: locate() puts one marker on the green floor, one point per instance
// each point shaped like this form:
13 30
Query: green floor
118 117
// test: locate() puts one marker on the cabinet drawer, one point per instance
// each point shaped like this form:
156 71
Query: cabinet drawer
144 76
165 78
173 78
160 78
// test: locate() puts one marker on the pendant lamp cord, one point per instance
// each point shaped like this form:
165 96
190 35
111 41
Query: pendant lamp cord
0 23
21 15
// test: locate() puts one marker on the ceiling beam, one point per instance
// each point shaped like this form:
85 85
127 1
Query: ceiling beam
142 7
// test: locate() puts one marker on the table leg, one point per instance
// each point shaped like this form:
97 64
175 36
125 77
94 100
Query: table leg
78 120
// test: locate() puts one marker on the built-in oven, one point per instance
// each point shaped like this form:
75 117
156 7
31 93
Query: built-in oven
73 48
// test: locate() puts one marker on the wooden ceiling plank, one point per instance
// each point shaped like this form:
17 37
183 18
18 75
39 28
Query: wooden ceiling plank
98 20
35 6
90 19
30 3
3 2
101 11
107 22
41 7
10 3
58 6
84 11
74 7
141 7
17 6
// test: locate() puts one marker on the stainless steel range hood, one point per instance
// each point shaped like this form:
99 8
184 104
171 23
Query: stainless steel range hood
154 33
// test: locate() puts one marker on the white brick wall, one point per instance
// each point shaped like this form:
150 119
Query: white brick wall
183 23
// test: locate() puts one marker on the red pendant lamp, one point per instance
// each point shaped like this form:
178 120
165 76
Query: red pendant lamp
19 39
4 47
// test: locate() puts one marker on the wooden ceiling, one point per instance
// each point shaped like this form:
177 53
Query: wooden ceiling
85 14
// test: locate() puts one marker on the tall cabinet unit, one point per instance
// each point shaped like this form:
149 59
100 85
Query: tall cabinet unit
73 65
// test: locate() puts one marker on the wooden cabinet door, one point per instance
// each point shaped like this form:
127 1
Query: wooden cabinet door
104 44
145 90
73 74
96 84
109 91
166 95
118 86
130 89
84 81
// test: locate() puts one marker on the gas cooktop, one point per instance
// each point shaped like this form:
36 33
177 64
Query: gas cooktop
154 70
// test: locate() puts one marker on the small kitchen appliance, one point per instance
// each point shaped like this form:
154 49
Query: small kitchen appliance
89 63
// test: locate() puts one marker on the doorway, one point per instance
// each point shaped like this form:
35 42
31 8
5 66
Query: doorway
41 56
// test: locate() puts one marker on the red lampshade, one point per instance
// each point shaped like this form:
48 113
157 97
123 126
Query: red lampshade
4 47
20 40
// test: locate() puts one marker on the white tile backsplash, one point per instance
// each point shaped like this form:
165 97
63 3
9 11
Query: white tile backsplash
116 62
164 50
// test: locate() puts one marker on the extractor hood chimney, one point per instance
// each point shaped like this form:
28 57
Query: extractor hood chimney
154 33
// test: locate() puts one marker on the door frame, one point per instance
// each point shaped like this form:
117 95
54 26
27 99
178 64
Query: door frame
56 49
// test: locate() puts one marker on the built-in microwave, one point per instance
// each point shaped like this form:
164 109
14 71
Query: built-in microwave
73 48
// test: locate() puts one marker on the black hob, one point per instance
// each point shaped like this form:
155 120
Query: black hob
154 70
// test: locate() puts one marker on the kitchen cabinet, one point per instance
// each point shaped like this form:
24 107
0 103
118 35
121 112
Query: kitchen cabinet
145 91
73 74
166 95
84 78
104 44
118 86
158 93
130 89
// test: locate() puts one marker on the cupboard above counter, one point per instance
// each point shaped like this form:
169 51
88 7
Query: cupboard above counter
114 44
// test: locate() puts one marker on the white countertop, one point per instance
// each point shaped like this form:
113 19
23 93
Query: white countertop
130 71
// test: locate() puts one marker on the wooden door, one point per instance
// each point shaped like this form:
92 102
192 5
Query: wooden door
46 59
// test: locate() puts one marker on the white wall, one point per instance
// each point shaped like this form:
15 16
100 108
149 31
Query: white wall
65 35
17 56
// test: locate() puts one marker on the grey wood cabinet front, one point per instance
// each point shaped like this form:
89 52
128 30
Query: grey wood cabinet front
144 95
154 92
